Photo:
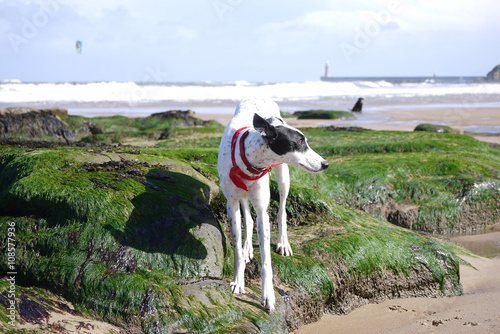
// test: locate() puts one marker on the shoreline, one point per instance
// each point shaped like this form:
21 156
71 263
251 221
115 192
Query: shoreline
479 117
476 311
406 120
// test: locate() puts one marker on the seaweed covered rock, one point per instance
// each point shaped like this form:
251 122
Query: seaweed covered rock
139 205
55 125
401 214
132 236
107 227
435 128
30 123
184 117
324 114
422 180
138 131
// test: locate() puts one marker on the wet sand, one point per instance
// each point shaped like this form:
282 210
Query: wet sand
477 311
485 243
405 120
460 119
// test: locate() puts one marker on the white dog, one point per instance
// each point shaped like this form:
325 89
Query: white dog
256 140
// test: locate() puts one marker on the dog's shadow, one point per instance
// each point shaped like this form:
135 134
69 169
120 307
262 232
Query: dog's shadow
165 215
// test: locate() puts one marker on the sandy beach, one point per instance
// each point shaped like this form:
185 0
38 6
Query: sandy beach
476 311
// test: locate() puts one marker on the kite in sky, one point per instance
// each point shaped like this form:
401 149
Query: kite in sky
79 47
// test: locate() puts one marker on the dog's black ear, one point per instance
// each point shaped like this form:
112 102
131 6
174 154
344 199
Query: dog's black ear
262 125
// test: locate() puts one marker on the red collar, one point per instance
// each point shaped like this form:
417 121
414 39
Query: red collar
236 174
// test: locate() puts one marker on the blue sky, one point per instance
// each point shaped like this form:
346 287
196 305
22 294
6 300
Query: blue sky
252 40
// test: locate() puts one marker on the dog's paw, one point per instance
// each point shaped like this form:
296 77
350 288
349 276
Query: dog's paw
237 288
269 302
283 248
247 252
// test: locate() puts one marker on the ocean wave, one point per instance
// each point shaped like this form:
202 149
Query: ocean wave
132 92
10 81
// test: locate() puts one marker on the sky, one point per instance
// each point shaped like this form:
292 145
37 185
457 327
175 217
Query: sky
245 40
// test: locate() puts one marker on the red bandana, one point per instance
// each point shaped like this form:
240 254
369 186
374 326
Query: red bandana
236 174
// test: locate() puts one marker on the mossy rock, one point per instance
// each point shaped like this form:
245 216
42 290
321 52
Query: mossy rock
99 232
56 125
123 234
117 230
435 128
435 182
324 114
29 124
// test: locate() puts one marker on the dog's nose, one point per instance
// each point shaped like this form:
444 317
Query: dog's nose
324 164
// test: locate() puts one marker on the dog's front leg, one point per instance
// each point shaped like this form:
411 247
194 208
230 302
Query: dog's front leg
234 216
283 179
247 242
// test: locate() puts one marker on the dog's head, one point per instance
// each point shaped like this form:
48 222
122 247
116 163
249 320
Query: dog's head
289 144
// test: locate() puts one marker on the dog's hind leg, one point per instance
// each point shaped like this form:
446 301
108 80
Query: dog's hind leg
247 243
283 179
234 216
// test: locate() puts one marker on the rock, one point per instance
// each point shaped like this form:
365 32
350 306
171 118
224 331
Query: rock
435 128
30 124
402 215
54 125
494 74
127 235
24 110
94 128
185 116
133 227
346 128
323 114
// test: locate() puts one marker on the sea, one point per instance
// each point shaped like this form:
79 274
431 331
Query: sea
139 99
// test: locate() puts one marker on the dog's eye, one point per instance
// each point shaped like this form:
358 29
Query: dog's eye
301 142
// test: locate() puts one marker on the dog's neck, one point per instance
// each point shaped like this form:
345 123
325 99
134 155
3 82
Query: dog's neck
256 151
239 172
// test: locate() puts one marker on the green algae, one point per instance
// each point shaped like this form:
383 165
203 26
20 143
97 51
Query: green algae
121 129
99 244
115 230
305 272
324 114
435 128
442 174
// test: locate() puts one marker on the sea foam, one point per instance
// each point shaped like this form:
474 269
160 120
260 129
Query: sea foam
14 92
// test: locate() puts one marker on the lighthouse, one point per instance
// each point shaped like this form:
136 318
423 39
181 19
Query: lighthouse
327 69
326 77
